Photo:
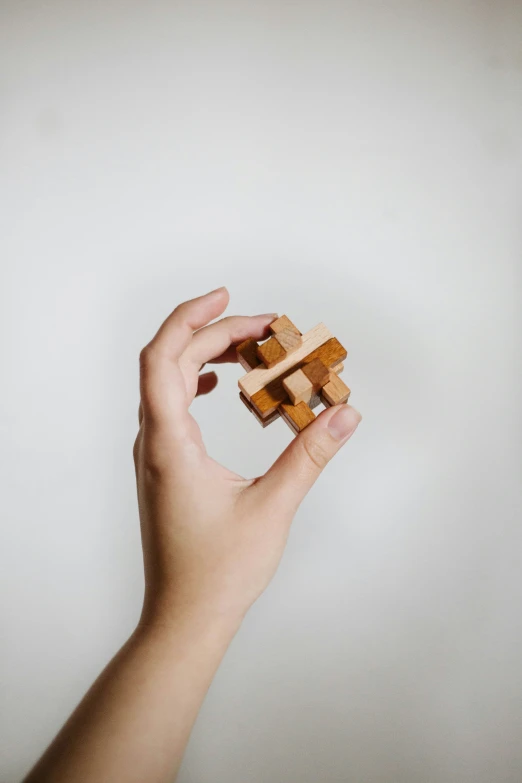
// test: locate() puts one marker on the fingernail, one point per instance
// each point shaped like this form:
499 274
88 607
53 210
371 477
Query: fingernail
273 316
217 290
344 422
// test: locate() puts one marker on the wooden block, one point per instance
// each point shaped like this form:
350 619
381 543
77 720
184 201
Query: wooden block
267 399
260 377
317 373
335 391
338 368
331 353
283 323
297 416
271 352
288 340
298 387
264 422
247 354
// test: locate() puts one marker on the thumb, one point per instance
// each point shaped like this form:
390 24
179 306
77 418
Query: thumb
299 466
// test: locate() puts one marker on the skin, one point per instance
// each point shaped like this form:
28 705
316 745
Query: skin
212 541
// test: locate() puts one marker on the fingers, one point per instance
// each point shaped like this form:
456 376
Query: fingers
175 334
299 466
162 386
206 383
212 341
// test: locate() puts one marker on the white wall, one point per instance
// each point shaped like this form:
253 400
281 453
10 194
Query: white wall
357 163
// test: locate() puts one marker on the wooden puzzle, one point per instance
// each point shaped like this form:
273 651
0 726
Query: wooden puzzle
291 373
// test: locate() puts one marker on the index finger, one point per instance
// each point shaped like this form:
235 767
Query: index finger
162 388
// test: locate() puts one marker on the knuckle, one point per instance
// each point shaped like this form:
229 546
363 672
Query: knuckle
136 449
150 458
316 452
145 357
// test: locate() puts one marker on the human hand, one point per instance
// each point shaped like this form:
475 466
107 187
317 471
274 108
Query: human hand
211 538
211 543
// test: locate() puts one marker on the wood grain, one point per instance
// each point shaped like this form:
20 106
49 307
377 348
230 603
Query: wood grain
317 373
297 416
264 422
247 354
268 399
271 352
288 340
298 387
281 323
335 391
259 377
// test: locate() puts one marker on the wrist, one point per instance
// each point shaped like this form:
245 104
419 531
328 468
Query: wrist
172 615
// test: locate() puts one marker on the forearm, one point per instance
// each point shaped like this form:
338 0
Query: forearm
135 721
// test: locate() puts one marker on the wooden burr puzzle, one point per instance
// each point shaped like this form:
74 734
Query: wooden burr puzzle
291 373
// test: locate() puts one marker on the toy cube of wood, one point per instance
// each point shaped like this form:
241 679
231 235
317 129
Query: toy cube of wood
288 340
297 416
317 373
271 352
281 324
290 373
247 354
335 391
298 387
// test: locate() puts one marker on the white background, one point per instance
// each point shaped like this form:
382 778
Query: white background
353 163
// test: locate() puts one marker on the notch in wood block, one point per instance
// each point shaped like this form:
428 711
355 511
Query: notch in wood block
281 323
335 391
288 340
247 354
297 416
271 352
317 373
298 387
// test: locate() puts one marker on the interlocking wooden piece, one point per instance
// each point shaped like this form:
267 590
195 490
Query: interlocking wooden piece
297 372
271 352
335 391
297 416
317 372
263 422
282 323
298 387
259 377
267 399
247 354
288 340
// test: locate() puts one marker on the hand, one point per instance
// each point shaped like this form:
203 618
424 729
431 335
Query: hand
210 537
211 541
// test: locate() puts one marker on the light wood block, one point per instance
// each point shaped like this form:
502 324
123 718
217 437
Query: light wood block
282 323
288 340
271 352
335 391
259 377
298 387
267 399
297 416
247 354
317 372
338 368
